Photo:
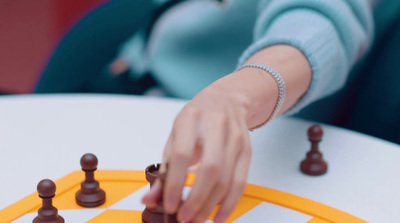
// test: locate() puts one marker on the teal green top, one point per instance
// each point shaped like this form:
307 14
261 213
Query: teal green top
199 41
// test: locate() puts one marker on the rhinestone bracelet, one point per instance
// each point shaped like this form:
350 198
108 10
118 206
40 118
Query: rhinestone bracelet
281 85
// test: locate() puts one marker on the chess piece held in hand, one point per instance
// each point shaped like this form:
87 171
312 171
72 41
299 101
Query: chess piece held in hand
314 164
157 214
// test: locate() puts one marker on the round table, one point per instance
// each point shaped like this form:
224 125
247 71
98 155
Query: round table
44 136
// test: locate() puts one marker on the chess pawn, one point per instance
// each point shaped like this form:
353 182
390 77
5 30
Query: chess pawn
90 194
156 215
314 164
47 213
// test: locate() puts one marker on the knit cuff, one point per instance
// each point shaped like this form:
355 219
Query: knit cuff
316 37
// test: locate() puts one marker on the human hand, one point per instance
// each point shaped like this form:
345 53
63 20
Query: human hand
118 66
210 131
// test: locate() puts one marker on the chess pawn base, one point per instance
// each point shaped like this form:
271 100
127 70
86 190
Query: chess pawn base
90 200
156 215
313 168
59 220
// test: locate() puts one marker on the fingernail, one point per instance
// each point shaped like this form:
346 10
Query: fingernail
171 204
185 214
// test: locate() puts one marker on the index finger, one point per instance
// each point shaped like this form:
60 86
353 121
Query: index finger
183 142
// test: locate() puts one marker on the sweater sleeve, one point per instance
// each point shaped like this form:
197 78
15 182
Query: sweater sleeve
333 35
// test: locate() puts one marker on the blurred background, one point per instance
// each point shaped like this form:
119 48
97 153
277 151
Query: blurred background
29 32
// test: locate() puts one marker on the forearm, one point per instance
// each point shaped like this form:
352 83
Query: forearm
257 91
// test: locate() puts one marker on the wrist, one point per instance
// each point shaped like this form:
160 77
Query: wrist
261 92
280 83
227 90
251 90
294 67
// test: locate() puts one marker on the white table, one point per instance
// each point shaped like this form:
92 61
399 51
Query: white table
45 136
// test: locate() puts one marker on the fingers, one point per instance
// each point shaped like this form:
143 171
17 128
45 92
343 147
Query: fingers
212 185
218 143
178 154
151 198
237 188
211 167
167 150
234 145
181 149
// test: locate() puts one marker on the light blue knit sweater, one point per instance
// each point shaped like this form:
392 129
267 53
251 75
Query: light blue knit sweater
199 41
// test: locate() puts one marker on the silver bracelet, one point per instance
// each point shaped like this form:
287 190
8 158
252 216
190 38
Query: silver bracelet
281 86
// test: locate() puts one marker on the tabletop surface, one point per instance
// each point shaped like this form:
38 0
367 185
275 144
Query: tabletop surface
45 136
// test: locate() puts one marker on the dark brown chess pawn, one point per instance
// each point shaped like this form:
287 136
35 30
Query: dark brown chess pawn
314 164
157 214
90 194
47 213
